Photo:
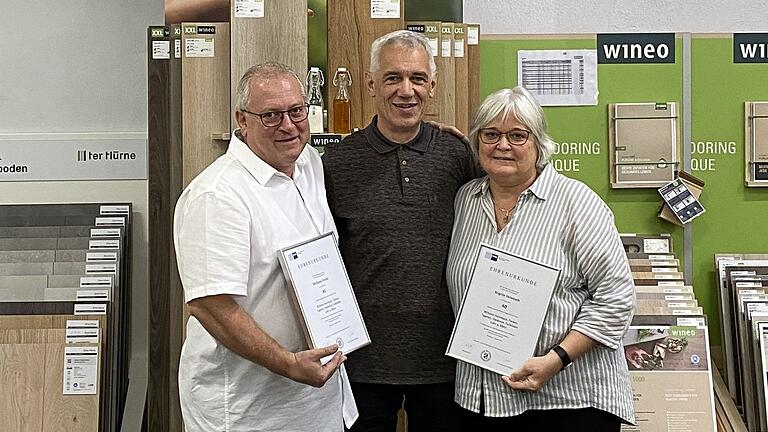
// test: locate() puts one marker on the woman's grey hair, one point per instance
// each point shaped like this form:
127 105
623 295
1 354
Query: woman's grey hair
519 104
403 39
262 71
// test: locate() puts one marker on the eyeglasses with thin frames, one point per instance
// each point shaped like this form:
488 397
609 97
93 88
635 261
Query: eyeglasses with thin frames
274 118
515 137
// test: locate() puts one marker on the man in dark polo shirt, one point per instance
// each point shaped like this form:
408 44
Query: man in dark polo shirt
391 188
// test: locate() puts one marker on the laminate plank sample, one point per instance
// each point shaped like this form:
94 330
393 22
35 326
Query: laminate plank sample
72 243
23 231
21 378
279 36
473 67
351 30
70 255
446 76
8 244
26 269
69 268
66 413
461 91
23 282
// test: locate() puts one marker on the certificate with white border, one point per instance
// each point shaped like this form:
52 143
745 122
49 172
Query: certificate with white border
323 294
502 311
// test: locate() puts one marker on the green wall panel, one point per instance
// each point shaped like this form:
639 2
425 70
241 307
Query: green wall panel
634 209
737 216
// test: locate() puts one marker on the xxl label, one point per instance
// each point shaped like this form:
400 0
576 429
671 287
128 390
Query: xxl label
750 47
630 48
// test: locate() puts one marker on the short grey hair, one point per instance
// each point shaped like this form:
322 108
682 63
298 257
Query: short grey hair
262 71
520 104
403 39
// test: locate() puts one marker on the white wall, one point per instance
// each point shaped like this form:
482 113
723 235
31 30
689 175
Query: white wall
80 66
614 16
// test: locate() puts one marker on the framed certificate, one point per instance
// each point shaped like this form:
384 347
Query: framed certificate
502 311
323 295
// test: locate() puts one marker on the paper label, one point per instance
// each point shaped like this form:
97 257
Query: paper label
114 210
161 50
663 269
101 221
90 309
691 322
80 331
749 285
661 257
671 283
96 282
92 295
446 48
80 370
104 244
105 232
458 48
473 35
95 257
177 48
198 47
249 8
385 8
433 44
110 268
655 246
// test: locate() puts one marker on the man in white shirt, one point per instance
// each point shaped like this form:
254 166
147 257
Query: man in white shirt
245 365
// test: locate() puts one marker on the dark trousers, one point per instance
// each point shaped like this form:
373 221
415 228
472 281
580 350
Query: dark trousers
430 407
576 420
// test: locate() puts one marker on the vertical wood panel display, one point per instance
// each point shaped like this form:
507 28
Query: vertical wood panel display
159 137
21 378
351 30
430 30
473 68
205 92
446 76
462 70
279 35
71 413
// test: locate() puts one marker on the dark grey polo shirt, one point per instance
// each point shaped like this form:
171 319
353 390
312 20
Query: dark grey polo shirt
393 207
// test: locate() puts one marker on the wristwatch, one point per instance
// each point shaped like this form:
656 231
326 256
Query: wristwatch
564 357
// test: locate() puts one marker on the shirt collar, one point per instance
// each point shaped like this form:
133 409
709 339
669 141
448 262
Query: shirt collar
255 165
382 145
541 187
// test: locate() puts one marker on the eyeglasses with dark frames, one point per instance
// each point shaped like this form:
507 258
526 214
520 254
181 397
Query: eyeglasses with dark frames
516 137
274 118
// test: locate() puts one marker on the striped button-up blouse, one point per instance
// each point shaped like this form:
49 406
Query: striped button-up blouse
560 222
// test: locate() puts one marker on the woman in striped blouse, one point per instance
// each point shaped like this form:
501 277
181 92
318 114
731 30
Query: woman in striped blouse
577 378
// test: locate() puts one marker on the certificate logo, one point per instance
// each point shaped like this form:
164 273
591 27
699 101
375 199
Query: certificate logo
485 355
294 256
695 359
491 256
340 342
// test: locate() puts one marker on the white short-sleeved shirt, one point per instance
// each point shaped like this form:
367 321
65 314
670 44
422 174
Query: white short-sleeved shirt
229 224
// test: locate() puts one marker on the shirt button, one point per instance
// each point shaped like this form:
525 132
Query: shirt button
405 163
407 179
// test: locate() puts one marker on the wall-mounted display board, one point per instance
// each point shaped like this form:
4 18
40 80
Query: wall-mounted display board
736 215
473 68
756 148
581 132
275 32
352 26
643 144
430 30
461 91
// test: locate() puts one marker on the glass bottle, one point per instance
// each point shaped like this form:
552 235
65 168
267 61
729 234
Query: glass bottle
342 108
315 81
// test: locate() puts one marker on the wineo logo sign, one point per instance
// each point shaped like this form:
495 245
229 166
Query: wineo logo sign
631 48
750 47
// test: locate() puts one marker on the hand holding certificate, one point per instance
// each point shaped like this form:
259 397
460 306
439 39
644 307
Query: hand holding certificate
502 311
323 294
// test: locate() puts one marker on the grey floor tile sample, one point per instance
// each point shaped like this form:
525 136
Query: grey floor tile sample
22 294
25 269
76 231
69 268
60 294
69 255
23 231
27 256
23 282
28 243
63 281
73 243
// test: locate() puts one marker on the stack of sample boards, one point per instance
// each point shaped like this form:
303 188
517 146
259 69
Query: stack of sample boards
64 309
743 298
667 345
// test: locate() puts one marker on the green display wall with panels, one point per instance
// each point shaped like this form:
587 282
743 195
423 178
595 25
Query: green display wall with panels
737 216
